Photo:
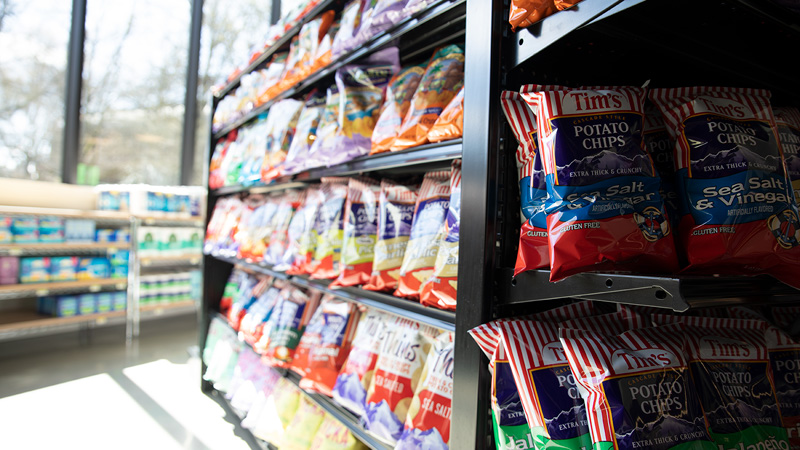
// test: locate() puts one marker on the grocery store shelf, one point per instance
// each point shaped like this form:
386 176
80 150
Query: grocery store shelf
172 220
409 160
344 416
278 45
52 248
534 39
27 323
411 309
161 261
167 310
438 11
104 216
61 287
678 294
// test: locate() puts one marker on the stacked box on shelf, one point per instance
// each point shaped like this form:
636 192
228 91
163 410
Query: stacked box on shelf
165 288
6 233
118 261
25 229
162 201
34 270
79 230
93 268
82 304
63 268
9 270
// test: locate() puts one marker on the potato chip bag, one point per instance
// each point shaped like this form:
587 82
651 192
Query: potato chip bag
553 407
787 318
281 406
326 359
604 210
312 336
361 91
511 429
394 109
423 244
374 330
427 423
278 240
360 232
304 425
612 323
307 242
533 252
332 435
272 77
348 27
739 212
524 13
377 17
397 373
660 146
326 131
565 4
310 36
284 290
292 314
637 388
330 228
324 54
788 121
784 361
255 211
440 289
305 133
730 367
395 217
450 124
443 77
247 293
254 323
294 232
285 114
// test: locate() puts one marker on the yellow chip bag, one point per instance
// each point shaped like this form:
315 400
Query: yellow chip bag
303 427
332 435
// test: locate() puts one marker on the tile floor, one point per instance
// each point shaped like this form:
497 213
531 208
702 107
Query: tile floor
66 392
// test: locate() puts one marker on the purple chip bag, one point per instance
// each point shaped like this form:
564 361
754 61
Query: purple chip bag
326 131
381 421
413 439
305 133
361 91
379 16
344 40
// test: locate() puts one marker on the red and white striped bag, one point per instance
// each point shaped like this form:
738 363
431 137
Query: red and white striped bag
637 388
612 324
729 363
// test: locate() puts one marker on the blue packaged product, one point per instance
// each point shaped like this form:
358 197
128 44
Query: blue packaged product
34 270
51 229
66 306
45 305
104 301
119 300
6 235
105 235
87 304
119 257
63 268
25 230
93 268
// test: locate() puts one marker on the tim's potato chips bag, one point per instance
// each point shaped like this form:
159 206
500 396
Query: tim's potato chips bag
423 244
330 228
394 109
533 251
397 374
395 217
788 121
739 214
440 289
637 389
604 209
374 330
729 364
450 124
428 420
443 77
360 232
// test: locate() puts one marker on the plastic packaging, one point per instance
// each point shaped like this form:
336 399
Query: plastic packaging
450 124
360 232
398 99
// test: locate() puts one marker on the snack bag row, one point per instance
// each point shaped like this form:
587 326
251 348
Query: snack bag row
623 380
621 182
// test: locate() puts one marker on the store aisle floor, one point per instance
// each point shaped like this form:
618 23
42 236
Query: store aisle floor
73 393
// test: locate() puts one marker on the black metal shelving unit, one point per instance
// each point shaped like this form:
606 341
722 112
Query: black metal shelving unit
598 42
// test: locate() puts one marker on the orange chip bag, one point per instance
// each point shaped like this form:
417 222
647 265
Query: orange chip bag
325 359
395 216
525 13
398 98
423 243
443 77
440 289
450 124
565 4
330 226
360 229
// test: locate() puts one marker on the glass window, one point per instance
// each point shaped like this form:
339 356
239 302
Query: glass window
134 81
34 37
